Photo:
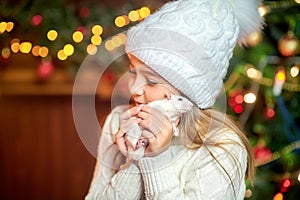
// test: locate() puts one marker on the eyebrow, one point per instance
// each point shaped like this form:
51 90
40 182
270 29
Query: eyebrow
152 73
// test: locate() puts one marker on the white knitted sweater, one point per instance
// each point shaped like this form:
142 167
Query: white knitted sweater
177 173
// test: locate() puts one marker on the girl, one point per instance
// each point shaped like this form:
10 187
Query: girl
182 49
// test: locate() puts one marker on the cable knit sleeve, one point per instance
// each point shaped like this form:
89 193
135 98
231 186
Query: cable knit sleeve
159 176
109 181
209 179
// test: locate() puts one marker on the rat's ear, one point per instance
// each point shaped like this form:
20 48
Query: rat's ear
168 95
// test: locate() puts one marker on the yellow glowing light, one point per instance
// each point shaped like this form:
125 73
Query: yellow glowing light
263 10
9 26
96 40
52 35
248 193
254 38
299 177
5 53
61 55
116 41
91 49
15 47
3 26
250 97
294 70
122 36
144 12
77 36
278 196
280 75
297 1
109 46
68 49
97 30
120 21
133 16
253 73
25 47
43 52
35 50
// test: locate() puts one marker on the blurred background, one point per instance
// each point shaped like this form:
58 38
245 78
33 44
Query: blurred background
42 45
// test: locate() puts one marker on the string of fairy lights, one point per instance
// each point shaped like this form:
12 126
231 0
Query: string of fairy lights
27 47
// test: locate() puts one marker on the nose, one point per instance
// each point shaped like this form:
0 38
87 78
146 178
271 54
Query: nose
137 87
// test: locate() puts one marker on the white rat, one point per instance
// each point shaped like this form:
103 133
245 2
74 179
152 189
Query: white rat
172 106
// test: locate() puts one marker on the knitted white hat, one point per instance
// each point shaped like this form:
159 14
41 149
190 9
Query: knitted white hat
190 42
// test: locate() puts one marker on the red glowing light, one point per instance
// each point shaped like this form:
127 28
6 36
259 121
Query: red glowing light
36 20
286 183
45 69
239 99
269 112
238 109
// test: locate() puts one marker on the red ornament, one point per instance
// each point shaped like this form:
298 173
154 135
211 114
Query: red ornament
45 69
289 45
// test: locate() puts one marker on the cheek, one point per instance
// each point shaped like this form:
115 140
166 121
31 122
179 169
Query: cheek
130 83
155 93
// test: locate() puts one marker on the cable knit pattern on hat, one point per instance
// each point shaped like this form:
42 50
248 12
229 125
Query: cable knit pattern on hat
190 43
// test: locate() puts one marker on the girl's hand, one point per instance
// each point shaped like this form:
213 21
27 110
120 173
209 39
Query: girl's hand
127 119
158 130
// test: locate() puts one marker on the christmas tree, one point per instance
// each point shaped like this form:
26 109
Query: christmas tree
262 85
263 95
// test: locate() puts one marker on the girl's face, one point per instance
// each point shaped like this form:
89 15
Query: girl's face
146 85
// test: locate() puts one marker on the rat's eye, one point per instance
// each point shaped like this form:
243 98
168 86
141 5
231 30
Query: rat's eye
179 99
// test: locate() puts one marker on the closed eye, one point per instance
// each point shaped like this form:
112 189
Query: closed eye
151 82
132 71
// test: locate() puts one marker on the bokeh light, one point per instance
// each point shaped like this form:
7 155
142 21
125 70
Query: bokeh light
120 21
3 26
52 35
294 71
15 47
9 26
77 36
97 30
61 55
96 40
144 12
5 53
43 52
35 50
91 49
25 47
133 16
250 97
68 49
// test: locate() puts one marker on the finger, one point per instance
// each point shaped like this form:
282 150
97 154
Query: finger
147 134
121 143
130 113
126 125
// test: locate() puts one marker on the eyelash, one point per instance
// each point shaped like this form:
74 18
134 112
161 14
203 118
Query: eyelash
149 81
131 71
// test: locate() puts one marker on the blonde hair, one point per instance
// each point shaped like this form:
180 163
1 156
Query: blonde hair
212 120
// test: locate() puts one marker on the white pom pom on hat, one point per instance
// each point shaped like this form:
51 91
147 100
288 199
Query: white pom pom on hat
190 42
